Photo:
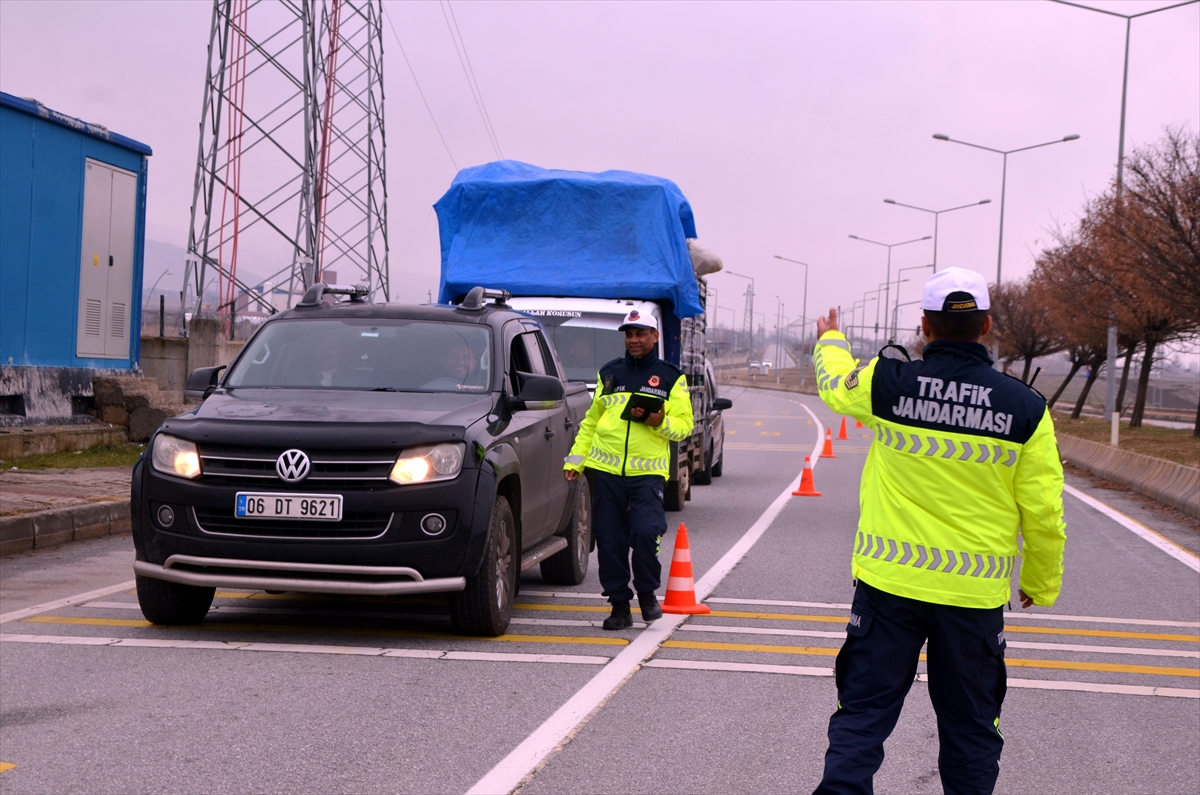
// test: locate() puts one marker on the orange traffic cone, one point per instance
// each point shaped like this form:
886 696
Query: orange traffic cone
807 488
681 587
828 451
842 437
858 424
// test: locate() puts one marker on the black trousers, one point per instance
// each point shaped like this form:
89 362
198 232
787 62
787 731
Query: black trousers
875 669
627 513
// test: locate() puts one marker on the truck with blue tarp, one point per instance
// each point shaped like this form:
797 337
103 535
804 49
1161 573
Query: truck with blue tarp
578 251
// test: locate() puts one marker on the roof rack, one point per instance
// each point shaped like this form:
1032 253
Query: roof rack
313 296
474 300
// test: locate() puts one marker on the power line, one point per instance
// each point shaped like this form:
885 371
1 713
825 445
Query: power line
487 116
419 91
460 49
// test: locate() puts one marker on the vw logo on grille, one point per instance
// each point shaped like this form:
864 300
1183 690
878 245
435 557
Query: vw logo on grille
292 466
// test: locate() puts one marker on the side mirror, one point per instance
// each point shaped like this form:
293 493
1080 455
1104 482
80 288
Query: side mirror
537 392
721 404
203 380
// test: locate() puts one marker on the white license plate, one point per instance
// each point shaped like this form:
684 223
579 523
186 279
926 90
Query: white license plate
264 505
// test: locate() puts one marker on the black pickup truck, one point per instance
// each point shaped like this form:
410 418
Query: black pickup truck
356 448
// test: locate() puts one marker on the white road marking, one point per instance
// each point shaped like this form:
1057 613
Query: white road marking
1186 557
527 758
17 615
1035 684
304 648
779 603
1015 644
754 668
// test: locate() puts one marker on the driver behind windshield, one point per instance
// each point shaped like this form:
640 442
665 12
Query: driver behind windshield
459 367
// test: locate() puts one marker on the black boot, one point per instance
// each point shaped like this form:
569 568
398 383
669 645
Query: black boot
649 604
621 617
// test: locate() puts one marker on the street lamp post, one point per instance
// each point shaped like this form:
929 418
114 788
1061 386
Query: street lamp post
936 213
889 247
895 328
804 310
1110 399
1003 179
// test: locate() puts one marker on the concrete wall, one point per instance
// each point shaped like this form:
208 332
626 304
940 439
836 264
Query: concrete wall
1164 481
169 360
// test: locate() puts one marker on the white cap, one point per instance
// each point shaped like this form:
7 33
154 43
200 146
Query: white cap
956 290
636 319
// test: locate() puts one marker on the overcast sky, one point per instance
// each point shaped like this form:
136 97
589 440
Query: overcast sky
785 124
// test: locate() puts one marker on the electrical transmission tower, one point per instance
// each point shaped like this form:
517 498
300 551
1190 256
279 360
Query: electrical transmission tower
291 163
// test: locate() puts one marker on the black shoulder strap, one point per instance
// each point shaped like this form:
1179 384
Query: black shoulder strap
900 352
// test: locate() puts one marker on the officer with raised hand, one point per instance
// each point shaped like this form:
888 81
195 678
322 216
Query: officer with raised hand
963 460
641 405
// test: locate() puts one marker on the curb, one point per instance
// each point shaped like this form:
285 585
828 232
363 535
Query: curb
1172 484
62 525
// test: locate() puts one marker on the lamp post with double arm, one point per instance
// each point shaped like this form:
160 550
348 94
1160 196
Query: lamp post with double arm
889 247
804 310
936 214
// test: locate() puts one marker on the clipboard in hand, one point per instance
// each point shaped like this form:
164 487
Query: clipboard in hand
638 400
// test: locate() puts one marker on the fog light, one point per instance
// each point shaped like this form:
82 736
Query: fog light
166 516
433 524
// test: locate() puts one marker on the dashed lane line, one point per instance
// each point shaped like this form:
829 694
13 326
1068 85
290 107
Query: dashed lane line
17 615
570 640
305 648
1035 684
1184 556
6 766
1015 662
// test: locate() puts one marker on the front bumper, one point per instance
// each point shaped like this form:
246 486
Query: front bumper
258 575
267 558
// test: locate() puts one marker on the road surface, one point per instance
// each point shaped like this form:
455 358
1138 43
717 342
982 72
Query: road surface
278 693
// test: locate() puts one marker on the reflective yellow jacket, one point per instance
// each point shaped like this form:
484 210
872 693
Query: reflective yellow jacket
624 447
963 461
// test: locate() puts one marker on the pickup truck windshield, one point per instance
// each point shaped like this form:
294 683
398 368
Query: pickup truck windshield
366 354
585 343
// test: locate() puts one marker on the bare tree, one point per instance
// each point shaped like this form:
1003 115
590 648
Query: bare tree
1022 324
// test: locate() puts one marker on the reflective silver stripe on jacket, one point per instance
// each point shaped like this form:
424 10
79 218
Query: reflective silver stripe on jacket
666 430
634 464
836 343
980 451
575 460
990 567
608 459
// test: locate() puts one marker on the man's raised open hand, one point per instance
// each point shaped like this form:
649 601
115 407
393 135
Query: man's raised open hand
827 323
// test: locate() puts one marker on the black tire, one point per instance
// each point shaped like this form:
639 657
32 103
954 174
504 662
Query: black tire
165 602
570 566
484 607
678 491
704 477
719 465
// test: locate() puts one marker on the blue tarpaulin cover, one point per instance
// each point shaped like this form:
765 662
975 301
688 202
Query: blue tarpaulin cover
536 231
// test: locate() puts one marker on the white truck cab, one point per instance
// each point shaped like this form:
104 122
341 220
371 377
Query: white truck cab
585 330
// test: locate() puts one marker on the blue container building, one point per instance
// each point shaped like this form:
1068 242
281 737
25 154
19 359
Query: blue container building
72 235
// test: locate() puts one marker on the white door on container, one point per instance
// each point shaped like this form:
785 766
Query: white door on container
106 262
120 264
93 266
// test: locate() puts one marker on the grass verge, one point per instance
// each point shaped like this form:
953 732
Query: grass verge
1169 443
125 455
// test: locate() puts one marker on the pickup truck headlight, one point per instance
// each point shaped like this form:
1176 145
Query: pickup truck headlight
175 456
427 464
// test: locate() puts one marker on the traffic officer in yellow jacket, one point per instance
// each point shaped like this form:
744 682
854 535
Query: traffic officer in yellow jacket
627 448
963 465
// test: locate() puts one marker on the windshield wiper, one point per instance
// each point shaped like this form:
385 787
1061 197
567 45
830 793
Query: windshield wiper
385 389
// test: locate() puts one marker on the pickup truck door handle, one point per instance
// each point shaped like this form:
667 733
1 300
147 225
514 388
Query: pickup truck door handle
549 432
568 422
